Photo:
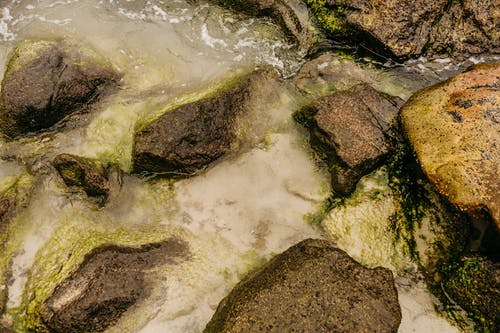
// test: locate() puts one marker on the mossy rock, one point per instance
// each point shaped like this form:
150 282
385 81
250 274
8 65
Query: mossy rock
48 80
474 283
311 287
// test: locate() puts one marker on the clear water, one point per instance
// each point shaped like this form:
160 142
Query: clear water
246 208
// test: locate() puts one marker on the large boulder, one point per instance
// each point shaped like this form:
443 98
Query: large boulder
351 129
474 284
91 177
189 138
109 281
454 130
46 81
311 287
413 28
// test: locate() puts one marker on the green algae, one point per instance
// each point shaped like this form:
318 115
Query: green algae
63 253
329 17
109 137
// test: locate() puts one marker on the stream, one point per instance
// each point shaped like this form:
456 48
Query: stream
235 215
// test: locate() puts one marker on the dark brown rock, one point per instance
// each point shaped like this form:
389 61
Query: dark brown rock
109 281
475 285
80 172
311 287
413 28
46 81
351 129
192 136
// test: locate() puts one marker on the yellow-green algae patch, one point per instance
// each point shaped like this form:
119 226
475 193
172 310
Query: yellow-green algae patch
62 255
110 136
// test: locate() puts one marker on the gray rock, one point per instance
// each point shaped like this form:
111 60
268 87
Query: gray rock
46 81
311 287
187 139
109 281
351 128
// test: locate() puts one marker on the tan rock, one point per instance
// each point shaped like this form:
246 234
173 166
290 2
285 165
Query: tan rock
454 128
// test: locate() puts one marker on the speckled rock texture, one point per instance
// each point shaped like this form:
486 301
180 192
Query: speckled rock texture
454 128
351 128
412 28
311 287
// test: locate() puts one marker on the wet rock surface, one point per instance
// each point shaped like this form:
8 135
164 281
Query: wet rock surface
474 284
288 14
187 139
413 28
453 128
90 177
352 129
311 287
46 81
110 280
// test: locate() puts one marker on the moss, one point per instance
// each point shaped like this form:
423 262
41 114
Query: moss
329 17
470 283
62 254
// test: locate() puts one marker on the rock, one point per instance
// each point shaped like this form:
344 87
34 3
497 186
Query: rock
7 209
109 281
187 139
399 223
77 171
413 28
292 16
351 128
46 81
311 287
474 284
454 130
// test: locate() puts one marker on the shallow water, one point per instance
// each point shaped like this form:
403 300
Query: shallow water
235 215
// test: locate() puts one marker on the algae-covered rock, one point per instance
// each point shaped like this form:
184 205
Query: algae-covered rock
46 81
351 128
291 15
393 223
474 284
413 28
454 130
77 171
110 280
188 138
311 287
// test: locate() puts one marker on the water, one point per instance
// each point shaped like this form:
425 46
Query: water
237 214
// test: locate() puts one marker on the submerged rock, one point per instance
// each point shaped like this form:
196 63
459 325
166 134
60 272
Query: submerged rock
351 128
46 81
474 284
454 130
290 15
413 28
187 139
109 281
77 171
311 287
